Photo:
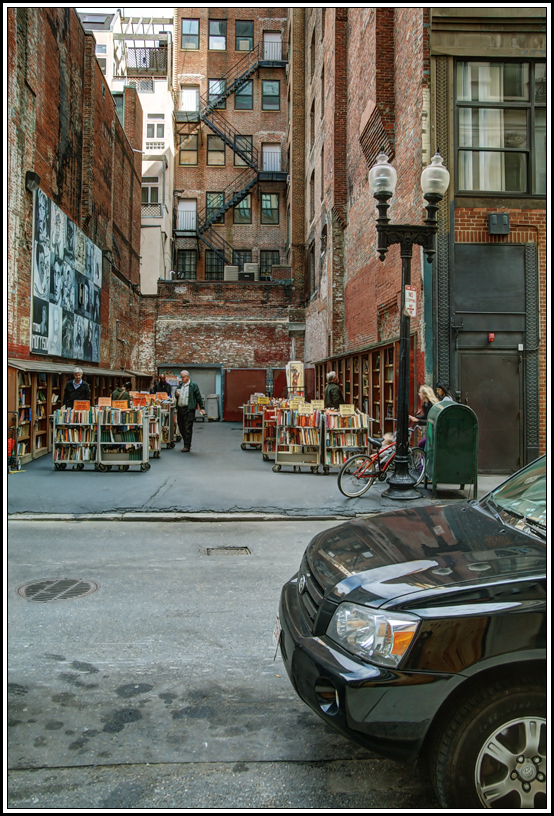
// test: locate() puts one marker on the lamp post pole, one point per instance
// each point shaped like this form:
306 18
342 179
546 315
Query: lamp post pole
434 182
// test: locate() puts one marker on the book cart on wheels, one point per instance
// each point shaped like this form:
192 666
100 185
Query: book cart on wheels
154 429
167 424
344 433
298 438
252 415
123 439
269 432
75 438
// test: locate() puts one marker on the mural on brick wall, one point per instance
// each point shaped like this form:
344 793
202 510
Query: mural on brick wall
67 282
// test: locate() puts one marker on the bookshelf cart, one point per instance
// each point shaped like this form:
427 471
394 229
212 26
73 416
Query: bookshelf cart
298 439
154 429
24 398
269 433
74 438
340 434
167 424
252 415
123 439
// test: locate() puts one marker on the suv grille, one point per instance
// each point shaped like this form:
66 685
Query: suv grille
312 595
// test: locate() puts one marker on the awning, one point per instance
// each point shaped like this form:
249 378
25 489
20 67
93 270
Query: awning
65 368
138 373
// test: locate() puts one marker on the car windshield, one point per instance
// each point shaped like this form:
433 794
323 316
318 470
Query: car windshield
523 497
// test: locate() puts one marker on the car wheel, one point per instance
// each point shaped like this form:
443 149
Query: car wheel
492 752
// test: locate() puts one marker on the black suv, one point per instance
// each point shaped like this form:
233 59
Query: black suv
421 633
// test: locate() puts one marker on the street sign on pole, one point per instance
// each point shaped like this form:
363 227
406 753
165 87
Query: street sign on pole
410 301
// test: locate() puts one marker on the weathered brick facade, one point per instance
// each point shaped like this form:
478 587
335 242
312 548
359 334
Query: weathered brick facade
63 126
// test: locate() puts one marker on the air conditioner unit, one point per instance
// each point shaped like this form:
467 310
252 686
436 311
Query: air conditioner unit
287 66
252 268
288 179
230 273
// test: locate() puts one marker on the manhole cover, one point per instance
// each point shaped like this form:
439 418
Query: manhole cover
227 551
58 589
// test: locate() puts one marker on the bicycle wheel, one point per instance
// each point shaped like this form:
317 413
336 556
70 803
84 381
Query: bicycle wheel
357 475
416 464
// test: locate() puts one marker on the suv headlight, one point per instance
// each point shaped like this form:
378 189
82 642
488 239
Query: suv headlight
378 637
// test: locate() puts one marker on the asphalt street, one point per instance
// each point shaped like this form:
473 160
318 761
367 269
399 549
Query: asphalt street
215 477
161 688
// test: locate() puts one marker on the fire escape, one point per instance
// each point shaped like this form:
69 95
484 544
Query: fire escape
187 123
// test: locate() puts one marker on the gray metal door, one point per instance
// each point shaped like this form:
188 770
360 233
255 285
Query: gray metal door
490 384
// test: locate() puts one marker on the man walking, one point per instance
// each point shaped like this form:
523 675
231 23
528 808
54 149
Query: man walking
333 395
187 397
76 389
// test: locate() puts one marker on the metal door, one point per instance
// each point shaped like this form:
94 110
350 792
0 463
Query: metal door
240 383
490 383
273 47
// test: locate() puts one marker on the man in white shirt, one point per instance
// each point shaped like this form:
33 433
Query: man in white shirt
187 397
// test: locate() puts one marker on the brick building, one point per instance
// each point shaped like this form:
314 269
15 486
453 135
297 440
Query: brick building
69 154
229 314
405 80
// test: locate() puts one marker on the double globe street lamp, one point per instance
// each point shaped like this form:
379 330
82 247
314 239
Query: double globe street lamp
434 184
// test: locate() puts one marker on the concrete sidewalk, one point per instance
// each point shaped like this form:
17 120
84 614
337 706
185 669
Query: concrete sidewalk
215 480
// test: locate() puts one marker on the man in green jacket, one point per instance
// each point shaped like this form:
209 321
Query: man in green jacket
187 397
333 395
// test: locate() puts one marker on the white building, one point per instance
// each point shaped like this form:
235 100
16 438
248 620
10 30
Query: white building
138 51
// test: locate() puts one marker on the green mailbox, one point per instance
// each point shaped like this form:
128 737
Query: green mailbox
451 447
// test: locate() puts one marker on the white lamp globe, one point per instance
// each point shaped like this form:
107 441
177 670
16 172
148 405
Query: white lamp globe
435 178
382 176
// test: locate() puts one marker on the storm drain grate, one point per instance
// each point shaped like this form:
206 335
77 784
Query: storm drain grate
227 551
59 589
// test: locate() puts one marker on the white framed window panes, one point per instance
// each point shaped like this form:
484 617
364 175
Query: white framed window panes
214 265
217 36
501 127
215 151
216 87
188 150
150 196
190 34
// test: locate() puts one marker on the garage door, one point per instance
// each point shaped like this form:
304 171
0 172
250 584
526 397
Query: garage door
240 383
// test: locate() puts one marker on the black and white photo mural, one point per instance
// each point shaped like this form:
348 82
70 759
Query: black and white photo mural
67 284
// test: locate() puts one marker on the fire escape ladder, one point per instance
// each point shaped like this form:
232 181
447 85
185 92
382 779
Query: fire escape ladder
217 243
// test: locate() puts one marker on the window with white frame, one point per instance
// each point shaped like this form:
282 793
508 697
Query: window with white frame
217 37
150 190
501 127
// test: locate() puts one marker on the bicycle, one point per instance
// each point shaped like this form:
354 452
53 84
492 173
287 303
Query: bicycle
361 470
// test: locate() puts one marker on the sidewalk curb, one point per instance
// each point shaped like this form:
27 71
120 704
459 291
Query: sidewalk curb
162 517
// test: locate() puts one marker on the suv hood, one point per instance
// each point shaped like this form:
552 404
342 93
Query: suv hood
420 552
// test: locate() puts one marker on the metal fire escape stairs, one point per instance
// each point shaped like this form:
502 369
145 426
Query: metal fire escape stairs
239 188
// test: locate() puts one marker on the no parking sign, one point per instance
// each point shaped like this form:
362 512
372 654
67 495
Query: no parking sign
410 301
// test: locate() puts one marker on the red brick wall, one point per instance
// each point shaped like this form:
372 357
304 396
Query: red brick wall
63 126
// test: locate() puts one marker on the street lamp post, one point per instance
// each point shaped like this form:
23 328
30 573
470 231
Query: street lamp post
434 183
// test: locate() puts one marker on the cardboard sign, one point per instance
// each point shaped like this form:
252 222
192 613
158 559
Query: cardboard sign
104 402
139 400
133 393
305 408
81 405
347 410
295 402
162 396
410 301
319 405
263 400
122 404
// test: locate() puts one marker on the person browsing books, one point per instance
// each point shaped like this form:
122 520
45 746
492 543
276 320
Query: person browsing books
76 389
333 395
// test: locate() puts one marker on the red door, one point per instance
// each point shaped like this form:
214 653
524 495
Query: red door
280 383
240 383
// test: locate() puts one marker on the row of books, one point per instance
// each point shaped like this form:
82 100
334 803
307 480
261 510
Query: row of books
337 439
354 421
299 436
78 454
121 436
296 419
95 414
82 435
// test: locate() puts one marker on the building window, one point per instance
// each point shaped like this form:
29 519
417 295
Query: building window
244 35
102 63
501 127
216 151
244 144
270 208
214 265
216 87
268 258
217 40
142 84
312 195
312 124
271 95
244 97
242 212
188 150
242 256
186 264
100 48
190 34
155 131
311 270
214 202
312 53
119 100
150 190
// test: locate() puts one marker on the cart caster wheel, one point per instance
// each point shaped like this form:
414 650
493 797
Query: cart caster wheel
123 468
145 466
258 447
243 446
102 468
326 470
265 457
56 466
96 466
171 444
276 468
157 455
314 469
62 466
178 438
